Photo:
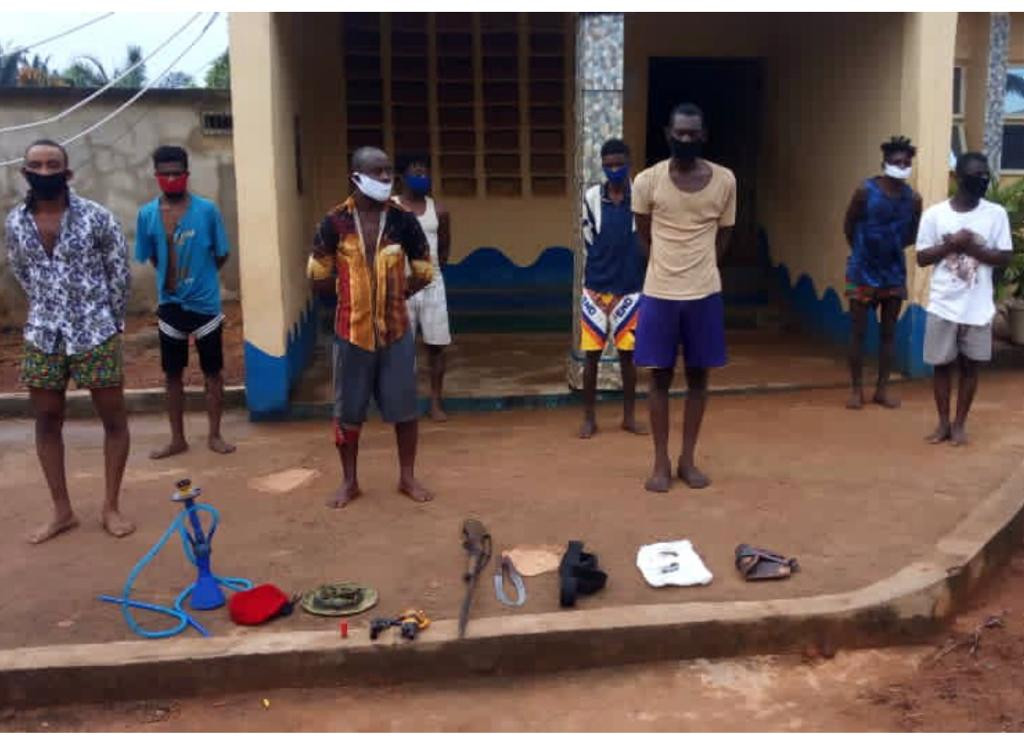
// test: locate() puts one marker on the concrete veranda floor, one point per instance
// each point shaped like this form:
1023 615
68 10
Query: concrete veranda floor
853 495
516 364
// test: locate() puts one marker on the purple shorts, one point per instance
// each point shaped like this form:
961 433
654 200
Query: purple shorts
663 325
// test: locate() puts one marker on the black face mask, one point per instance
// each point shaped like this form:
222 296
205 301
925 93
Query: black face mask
975 186
685 151
47 187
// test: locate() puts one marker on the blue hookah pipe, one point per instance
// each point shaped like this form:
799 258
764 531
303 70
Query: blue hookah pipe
205 591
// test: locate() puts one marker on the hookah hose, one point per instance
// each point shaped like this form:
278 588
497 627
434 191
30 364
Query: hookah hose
184 619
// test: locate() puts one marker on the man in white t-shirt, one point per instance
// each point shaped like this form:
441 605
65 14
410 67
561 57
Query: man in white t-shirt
964 238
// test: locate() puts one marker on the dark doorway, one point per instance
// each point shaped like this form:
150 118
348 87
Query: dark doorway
728 91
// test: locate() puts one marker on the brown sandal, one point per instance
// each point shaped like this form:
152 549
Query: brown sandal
757 564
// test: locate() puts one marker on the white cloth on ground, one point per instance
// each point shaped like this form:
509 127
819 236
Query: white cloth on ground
674 563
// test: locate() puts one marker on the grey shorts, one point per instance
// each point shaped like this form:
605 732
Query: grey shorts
944 340
388 375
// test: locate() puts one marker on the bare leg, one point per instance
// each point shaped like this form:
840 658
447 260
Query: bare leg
109 404
48 407
589 426
696 403
436 357
348 453
628 370
407 434
176 413
657 403
942 383
858 328
214 410
964 399
890 312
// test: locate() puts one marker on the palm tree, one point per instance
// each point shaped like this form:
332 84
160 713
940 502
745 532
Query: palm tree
37 73
9 65
86 71
137 78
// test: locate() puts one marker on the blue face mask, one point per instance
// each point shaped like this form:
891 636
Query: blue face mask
616 174
418 184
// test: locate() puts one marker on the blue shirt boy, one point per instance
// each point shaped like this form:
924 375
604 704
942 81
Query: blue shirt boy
199 241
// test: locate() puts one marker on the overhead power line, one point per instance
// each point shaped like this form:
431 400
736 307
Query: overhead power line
85 101
60 35
128 103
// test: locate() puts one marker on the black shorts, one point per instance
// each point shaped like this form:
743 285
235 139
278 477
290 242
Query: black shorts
176 324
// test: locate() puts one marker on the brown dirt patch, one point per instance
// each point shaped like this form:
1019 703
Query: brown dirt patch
854 495
141 353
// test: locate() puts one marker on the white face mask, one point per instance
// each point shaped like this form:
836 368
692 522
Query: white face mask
373 189
893 171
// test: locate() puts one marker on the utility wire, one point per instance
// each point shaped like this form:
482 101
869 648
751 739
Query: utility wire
79 169
60 35
117 111
85 101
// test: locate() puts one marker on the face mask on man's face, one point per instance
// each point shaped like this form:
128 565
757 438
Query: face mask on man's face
895 171
685 151
418 184
373 189
616 174
173 185
46 187
975 185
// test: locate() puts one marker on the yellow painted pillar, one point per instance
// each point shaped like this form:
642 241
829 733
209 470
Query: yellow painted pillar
929 48
254 66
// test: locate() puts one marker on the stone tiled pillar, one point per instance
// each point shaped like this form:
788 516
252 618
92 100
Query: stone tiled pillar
599 79
995 97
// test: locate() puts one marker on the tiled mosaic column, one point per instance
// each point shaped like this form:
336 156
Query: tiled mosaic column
599 75
995 99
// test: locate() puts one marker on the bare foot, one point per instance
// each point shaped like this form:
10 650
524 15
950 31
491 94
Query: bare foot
957 436
856 400
116 524
52 529
660 479
692 476
884 399
173 448
414 490
635 427
437 413
941 435
217 445
344 495
588 428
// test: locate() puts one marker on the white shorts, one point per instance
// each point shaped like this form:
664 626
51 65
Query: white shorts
428 314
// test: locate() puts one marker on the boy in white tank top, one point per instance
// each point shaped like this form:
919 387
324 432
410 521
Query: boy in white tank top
428 309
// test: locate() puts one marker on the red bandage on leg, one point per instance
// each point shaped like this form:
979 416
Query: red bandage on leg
343 435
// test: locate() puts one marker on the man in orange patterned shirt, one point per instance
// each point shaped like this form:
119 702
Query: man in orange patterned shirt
360 252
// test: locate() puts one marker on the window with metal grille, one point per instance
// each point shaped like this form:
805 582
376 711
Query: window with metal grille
217 123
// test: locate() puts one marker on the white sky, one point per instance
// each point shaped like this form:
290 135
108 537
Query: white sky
108 39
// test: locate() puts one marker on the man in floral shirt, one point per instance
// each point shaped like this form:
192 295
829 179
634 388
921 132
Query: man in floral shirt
70 257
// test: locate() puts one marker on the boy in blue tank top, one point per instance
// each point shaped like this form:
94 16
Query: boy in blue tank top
881 221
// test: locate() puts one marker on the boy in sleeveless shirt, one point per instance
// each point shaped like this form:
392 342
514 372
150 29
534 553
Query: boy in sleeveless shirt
428 309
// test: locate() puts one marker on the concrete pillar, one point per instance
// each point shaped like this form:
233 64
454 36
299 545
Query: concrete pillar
929 49
600 42
256 103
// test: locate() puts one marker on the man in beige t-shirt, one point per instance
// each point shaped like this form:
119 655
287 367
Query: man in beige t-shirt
685 208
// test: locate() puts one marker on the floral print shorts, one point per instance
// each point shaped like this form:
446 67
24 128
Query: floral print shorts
100 367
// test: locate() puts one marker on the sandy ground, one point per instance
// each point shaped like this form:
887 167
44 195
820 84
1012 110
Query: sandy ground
946 687
853 495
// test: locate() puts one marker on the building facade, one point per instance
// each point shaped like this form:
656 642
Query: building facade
512 108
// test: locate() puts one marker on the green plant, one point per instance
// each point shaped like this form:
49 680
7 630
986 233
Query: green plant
1011 197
